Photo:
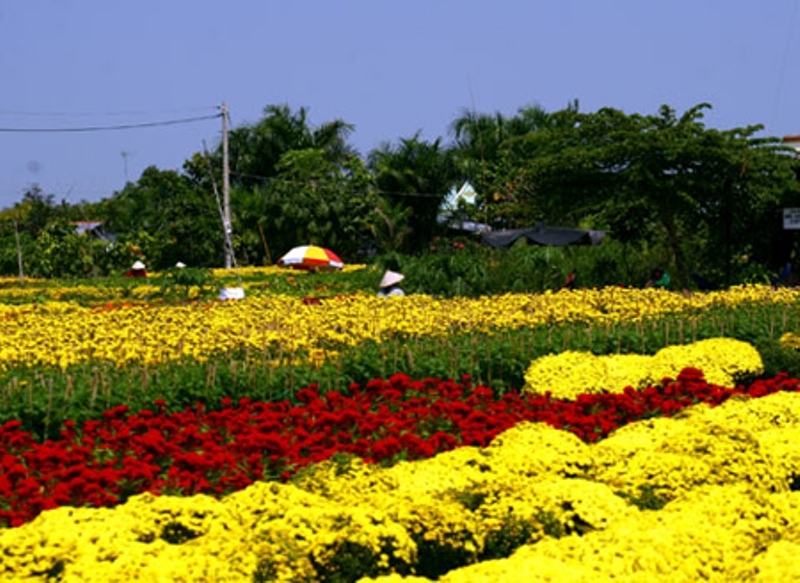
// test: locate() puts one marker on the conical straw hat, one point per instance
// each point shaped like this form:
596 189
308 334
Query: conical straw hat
391 277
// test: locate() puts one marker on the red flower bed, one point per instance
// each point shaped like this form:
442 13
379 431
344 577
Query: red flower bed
105 461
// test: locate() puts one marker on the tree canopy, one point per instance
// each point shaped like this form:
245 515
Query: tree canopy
701 199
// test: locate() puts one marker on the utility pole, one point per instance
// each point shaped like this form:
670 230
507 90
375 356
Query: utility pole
125 155
19 251
226 191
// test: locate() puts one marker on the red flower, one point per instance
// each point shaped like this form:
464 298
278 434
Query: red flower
105 461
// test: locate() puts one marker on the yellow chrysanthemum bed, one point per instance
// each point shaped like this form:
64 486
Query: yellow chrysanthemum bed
573 373
705 496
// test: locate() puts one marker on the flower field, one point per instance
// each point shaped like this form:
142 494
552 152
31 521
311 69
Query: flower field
62 334
64 360
123 457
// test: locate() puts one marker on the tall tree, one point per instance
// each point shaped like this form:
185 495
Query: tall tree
488 148
257 153
707 196
314 200
414 174
165 204
35 210
255 150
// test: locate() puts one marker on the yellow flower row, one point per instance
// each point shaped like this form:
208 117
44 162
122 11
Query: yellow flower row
724 475
251 271
569 374
791 340
63 333
12 289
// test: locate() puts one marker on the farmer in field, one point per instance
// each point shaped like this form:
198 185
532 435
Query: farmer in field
138 269
659 278
389 284
571 280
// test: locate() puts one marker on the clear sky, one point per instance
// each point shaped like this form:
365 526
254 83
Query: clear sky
389 68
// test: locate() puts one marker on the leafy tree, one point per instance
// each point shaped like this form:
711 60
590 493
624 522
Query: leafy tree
313 200
34 211
255 150
182 218
9 235
62 252
413 174
486 152
388 223
706 196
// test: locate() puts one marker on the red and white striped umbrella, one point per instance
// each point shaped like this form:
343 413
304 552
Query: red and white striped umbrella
311 257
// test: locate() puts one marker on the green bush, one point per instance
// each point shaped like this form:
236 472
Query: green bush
778 358
454 269
178 283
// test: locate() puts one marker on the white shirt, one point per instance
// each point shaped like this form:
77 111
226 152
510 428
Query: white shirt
391 291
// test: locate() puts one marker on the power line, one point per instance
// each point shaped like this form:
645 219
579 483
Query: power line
57 113
112 127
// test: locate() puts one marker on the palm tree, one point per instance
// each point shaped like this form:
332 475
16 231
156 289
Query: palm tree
488 147
479 139
414 174
255 150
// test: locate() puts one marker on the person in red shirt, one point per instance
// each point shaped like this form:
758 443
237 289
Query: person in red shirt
138 269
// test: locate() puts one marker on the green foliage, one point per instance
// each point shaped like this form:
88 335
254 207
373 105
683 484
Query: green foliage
707 196
460 267
389 225
176 533
778 357
551 525
415 175
62 252
352 561
256 150
35 211
648 498
181 221
316 201
292 183
693 198
516 532
469 499
179 283
435 558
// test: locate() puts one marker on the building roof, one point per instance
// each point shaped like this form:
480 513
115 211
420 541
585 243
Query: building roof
83 227
792 141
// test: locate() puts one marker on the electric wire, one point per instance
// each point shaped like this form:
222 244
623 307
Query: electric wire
140 112
130 126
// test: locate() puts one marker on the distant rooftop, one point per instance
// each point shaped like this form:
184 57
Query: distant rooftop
81 227
792 141
94 228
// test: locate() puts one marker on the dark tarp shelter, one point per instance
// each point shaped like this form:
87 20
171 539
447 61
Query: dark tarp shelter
542 234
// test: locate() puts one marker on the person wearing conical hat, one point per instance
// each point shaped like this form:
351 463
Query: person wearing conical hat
389 284
138 269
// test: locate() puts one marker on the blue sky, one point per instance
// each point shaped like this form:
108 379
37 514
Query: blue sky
389 68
